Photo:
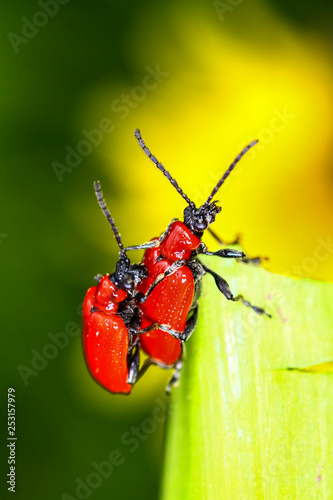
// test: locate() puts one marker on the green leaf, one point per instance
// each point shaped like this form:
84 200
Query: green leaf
242 425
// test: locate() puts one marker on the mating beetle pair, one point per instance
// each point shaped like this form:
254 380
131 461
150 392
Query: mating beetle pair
152 305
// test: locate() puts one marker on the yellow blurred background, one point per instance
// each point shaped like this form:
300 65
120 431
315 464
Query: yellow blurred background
200 80
215 92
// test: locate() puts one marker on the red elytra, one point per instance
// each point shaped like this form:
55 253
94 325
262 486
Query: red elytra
170 301
105 336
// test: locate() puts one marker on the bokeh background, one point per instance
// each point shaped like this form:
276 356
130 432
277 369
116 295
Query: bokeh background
200 79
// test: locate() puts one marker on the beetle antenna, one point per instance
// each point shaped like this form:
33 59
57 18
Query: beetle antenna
230 169
161 167
106 212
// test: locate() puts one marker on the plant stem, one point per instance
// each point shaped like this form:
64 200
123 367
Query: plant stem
241 426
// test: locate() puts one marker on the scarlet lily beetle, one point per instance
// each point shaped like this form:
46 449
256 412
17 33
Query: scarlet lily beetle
105 337
111 320
174 273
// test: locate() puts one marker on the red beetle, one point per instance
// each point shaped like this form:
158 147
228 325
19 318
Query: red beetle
169 292
111 320
105 336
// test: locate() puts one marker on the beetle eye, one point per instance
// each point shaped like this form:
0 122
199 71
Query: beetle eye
200 224
127 282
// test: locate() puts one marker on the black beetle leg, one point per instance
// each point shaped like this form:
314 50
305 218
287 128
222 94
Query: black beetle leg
223 286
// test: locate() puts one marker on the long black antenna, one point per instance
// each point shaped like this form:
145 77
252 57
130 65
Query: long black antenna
159 165
230 169
106 212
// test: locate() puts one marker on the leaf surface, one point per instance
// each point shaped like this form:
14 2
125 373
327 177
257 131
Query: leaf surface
242 425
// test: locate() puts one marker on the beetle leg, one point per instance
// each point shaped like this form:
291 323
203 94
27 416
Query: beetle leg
218 239
175 376
163 235
223 286
176 265
228 253
175 333
258 310
235 254
191 323
255 261
221 283
154 326
133 365
177 366
150 244
147 363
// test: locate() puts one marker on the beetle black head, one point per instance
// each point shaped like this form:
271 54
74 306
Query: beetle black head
196 219
126 276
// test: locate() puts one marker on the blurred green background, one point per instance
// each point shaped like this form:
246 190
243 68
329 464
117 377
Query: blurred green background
200 79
